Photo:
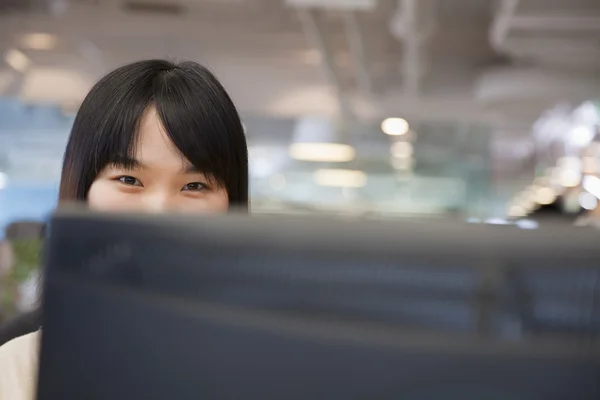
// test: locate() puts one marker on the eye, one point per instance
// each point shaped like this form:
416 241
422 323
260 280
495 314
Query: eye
194 187
129 181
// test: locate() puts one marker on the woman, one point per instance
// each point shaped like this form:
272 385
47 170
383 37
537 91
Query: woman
150 136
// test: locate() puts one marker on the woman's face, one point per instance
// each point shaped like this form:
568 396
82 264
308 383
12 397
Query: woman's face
161 179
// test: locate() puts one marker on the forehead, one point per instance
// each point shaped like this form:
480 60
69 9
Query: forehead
153 145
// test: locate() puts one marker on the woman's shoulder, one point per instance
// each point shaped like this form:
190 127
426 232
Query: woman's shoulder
18 366
23 345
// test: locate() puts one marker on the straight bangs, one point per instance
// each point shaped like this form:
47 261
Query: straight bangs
207 133
104 130
117 141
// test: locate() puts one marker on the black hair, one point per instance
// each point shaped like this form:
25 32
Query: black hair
197 113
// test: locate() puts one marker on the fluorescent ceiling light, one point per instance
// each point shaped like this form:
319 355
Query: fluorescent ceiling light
39 41
340 178
322 152
395 126
17 60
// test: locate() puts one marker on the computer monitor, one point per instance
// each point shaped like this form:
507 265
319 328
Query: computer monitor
257 307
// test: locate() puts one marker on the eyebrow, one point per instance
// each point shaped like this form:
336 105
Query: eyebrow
131 163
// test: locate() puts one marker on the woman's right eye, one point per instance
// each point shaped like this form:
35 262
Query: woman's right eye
129 180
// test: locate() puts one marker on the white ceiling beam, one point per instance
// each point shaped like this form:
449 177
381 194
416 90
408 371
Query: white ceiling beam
557 22
507 19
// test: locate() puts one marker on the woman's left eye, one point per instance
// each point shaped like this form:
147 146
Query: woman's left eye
194 187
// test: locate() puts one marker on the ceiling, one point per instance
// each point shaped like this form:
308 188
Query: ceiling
426 59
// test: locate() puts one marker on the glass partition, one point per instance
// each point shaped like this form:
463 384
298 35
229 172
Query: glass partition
434 168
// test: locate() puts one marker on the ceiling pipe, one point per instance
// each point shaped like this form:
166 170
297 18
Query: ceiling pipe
357 52
413 24
412 49
316 38
502 24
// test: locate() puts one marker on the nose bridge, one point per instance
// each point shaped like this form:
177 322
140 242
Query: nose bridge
157 201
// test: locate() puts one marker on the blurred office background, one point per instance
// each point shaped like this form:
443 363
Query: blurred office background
476 110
